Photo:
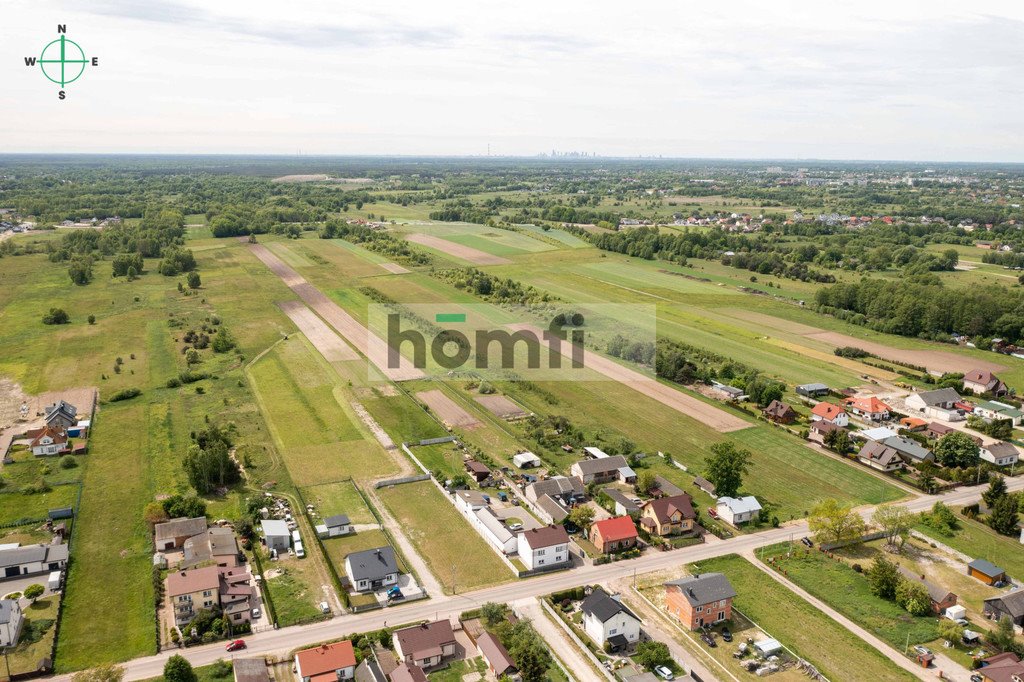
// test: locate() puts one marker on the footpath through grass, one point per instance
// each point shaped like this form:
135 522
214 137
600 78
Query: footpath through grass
836 652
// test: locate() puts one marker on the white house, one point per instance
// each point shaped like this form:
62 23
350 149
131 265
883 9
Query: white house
10 622
494 531
1000 453
526 460
49 441
372 569
994 410
468 501
738 510
606 619
32 560
276 534
938 404
544 547
335 526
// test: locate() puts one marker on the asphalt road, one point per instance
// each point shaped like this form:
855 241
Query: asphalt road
279 642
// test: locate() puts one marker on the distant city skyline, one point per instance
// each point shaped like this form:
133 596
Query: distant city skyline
911 81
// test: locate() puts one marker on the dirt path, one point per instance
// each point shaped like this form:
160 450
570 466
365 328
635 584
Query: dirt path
378 432
427 579
561 646
718 419
323 338
466 253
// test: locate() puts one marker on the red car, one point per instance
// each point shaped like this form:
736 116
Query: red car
712 513
236 645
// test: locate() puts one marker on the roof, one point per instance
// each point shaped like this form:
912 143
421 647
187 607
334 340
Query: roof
495 653
939 396
603 607
30 554
250 670
704 484
941 429
336 520
596 453
936 592
777 408
627 472
275 527
420 639
559 485
908 447
825 426
180 527
7 607
618 528
879 433
619 497
552 508
193 580
408 673
494 525
813 387
1012 602
58 436
981 376
704 589
666 487
664 507
474 497
371 564
740 505
524 457
477 467
827 411
913 422
602 465
1002 449
548 536
871 404
1003 668
215 542
63 408
879 452
986 567
768 646
326 658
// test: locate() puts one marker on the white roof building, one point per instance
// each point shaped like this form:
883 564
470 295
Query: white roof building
596 453
738 510
525 460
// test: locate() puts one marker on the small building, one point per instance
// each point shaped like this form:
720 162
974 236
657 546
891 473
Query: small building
613 535
730 393
1010 604
49 442
499 662
910 451
876 434
18 562
335 526
427 645
700 600
935 430
1000 453
468 501
326 663
870 408
594 452
11 619
665 488
986 572
607 620
812 390
372 569
603 470
276 534
994 410
941 598
526 460
704 484
60 415
878 455
252 669
173 534
738 510
624 506
831 413
768 647
982 381
821 428
913 424
214 545
544 547
666 516
407 673
568 490
551 510
494 530
779 412
938 404
478 470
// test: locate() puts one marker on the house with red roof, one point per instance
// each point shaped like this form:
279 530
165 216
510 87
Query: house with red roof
613 535
830 413
51 440
326 663
870 408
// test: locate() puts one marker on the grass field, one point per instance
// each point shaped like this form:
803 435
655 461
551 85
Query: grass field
836 652
834 582
978 541
338 498
444 538
296 591
339 548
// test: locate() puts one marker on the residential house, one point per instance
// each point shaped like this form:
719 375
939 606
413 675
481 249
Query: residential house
668 515
326 663
478 470
17 562
190 591
821 428
468 501
993 410
526 460
624 505
982 381
878 455
427 645
494 530
738 510
986 572
700 599
878 433
567 490
335 526
1010 604
613 535
276 534
831 413
935 430
11 619
938 404
913 423
910 451
499 662
1004 667
779 412
544 547
49 441
173 534
251 669
812 390
603 470
607 620
372 569
60 415
407 673
941 598
870 408
214 545
665 488
1000 453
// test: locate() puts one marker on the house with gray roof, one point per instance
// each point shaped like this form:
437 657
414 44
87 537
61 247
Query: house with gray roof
910 451
700 599
603 470
1010 604
1001 453
17 562
624 506
607 619
173 534
372 569
60 415
335 526
878 455
567 490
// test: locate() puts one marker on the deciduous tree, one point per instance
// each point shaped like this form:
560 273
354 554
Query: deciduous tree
831 521
726 467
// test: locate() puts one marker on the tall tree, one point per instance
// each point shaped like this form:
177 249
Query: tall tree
996 490
957 449
1003 517
178 669
883 577
726 467
831 521
895 522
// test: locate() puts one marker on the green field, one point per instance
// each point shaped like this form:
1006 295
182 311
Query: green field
836 652
338 498
978 541
444 538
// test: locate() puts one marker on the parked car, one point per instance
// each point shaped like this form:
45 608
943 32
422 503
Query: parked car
514 527
726 635
712 513
325 607
923 650
807 541
708 639
395 593
256 613
663 672
977 678
236 645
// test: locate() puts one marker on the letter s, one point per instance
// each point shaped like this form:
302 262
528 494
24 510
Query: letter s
60 94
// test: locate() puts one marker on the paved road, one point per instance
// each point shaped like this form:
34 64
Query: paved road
281 641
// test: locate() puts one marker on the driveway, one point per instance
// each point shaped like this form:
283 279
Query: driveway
574 660
19 585
524 517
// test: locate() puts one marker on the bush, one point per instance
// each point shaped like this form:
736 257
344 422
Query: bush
56 316
124 394
173 382
68 462
91 319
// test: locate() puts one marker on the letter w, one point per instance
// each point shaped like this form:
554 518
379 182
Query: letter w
30 61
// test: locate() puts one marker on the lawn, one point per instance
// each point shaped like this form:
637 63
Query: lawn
339 548
836 652
339 498
978 541
15 506
454 551
836 583
459 669
295 591
36 641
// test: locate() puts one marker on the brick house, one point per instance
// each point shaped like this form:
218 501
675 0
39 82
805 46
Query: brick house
700 600
613 535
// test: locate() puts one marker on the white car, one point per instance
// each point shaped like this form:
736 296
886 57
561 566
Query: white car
256 613
663 672
514 527
325 607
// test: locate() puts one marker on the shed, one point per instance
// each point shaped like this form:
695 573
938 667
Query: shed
276 534
986 571
812 390
767 647
956 612
526 460
61 513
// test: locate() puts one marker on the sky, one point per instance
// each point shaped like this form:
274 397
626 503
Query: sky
899 80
